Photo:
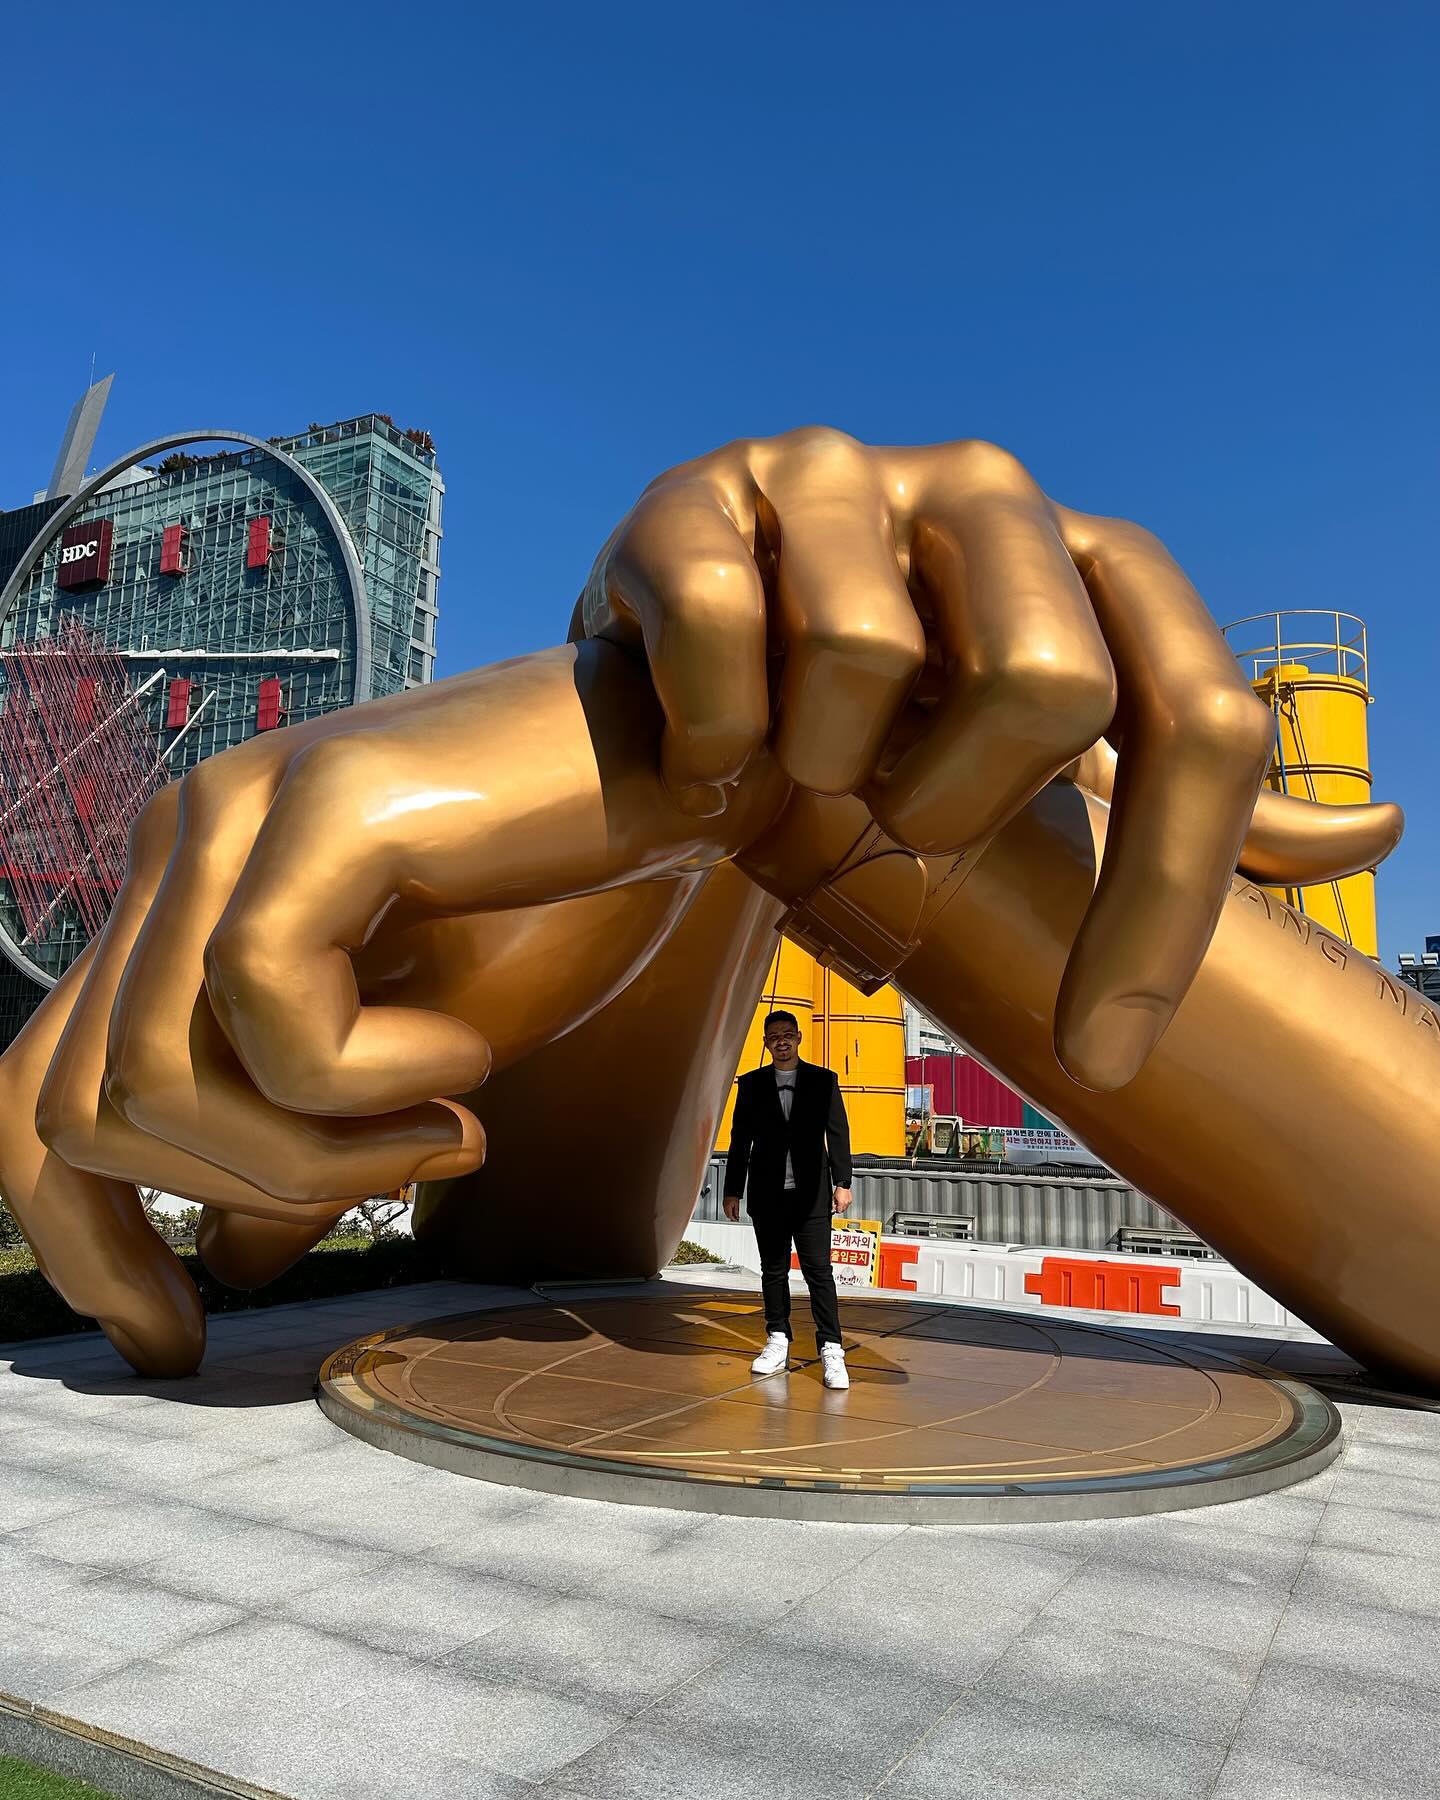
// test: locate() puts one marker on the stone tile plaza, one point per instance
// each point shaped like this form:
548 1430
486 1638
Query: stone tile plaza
222 1577
783 1143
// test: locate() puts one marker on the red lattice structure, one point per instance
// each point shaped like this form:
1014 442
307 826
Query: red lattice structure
78 760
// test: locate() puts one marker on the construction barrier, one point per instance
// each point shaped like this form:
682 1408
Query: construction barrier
1026 1276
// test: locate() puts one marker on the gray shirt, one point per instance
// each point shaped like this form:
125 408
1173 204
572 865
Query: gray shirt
785 1087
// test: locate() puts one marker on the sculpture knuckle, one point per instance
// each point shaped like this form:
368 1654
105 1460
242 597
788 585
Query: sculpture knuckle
992 466
134 1082
826 441
1065 702
330 763
886 652
236 961
203 790
1226 723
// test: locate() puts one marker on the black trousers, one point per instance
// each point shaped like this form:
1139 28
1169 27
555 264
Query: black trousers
778 1224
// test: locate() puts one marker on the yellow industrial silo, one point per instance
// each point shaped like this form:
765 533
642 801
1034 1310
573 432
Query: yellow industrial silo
1311 669
861 1037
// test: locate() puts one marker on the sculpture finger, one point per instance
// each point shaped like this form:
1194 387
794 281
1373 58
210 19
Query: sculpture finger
246 1252
172 1075
1291 842
853 643
1029 682
90 1236
75 1115
1194 746
681 579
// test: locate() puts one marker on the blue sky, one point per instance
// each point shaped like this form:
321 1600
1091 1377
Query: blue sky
1182 260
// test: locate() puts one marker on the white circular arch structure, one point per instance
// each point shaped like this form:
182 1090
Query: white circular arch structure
57 521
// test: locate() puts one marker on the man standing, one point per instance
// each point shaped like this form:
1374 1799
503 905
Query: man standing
791 1139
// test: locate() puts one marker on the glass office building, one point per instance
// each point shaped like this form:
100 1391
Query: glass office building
238 589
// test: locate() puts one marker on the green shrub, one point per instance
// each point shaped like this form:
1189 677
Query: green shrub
690 1252
30 1307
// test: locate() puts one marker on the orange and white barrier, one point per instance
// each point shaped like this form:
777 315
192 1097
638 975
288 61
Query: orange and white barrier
1026 1276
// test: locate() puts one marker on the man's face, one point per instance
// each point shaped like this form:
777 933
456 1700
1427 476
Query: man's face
783 1042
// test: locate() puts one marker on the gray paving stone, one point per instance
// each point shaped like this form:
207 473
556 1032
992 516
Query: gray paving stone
406 1515
32 1584
726 1577
117 1399
136 1615
562 1545
984 1749
643 1761
280 1488
1410 1462
768 1706
1227 1616
1360 1641
1354 1724
45 1442
620 1657
1345 1576
32 1496
247 1564
506 1728
967 1568
922 1632
150 1465
297 1752
1187 1543
210 1555
41 1663
1392 1425
1381 1528
1249 1775
1190 1690
120 1532
1358 1485
1292 1512
415 1608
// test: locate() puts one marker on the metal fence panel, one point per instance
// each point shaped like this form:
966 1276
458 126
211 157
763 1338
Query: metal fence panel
1007 1208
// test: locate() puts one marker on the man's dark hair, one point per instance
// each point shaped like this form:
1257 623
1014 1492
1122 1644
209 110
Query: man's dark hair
780 1018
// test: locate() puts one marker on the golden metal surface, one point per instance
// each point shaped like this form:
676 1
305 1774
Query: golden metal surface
940 1396
849 689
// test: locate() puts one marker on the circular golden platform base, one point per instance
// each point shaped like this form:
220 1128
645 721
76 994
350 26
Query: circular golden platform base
953 1412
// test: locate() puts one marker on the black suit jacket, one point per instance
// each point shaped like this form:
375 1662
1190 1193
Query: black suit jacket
817 1136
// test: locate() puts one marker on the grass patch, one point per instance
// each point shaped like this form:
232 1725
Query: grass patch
22 1781
30 1307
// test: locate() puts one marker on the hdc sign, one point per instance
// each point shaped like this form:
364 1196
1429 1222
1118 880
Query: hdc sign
85 555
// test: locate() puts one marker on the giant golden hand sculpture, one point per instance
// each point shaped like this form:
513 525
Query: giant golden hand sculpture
867 694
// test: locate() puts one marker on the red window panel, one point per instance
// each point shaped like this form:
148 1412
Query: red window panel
177 709
172 550
267 713
85 701
257 551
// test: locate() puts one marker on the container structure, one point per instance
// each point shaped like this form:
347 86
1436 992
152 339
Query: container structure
1311 668
861 1037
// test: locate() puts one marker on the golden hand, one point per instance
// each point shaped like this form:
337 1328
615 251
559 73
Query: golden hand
405 854
280 996
926 628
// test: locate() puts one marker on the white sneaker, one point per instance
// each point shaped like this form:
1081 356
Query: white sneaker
832 1360
773 1358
